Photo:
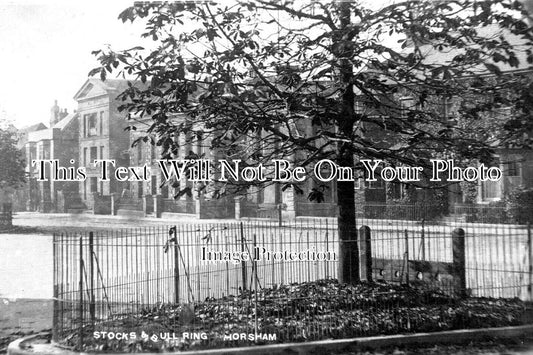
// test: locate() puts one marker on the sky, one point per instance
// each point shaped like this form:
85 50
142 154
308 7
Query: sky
46 52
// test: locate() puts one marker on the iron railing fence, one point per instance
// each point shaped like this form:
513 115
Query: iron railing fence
179 206
405 212
489 213
286 315
428 211
218 280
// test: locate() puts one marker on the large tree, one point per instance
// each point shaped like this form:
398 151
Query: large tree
314 80
12 165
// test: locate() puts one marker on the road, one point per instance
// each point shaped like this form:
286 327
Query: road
26 266
61 221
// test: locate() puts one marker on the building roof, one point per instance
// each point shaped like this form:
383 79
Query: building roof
63 123
99 87
44 134
432 56
520 46
32 128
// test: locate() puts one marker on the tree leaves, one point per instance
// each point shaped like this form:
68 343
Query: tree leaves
128 15
12 164
493 68
215 67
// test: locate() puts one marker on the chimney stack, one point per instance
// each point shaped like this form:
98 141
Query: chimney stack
54 114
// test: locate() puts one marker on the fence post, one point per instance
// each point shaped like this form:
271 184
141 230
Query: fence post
198 208
326 264
80 330
145 205
92 305
55 315
114 204
406 261
7 209
423 241
237 207
255 289
158 205
530 255
243 263
365 253
176 268
459 260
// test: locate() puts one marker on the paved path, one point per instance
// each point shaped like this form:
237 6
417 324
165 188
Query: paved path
26 266
25 285
33 219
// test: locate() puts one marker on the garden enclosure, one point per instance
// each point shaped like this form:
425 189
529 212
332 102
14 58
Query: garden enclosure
156 279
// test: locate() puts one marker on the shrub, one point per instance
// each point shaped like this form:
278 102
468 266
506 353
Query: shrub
494 212
520 205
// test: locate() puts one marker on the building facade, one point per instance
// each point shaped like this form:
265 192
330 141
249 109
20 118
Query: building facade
101 135
97 130
60 143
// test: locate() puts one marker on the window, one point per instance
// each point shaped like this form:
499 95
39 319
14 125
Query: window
91 124
101 123
154 185
176 188
376 185
126 193
139 152
448 107
94 184
84 130
152 152
164 188
359 106
94 154
140 189
407 105
199 147
513 168
491 190
397 190
85 156
373 185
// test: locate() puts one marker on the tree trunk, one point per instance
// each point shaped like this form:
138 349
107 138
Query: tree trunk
347 229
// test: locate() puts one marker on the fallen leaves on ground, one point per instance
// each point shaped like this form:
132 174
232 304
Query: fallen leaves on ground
323 309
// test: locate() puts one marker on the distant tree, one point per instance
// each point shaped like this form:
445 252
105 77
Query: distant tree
12 165
314 80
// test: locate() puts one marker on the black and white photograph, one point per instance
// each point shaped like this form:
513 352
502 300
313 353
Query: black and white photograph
339 177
